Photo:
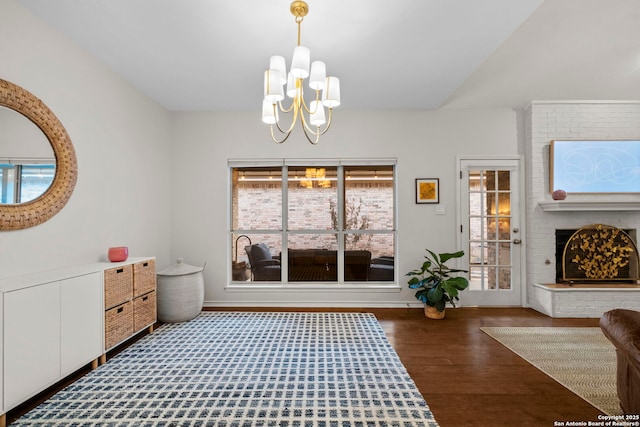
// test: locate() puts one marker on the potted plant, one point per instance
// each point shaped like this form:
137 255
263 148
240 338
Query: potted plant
437 284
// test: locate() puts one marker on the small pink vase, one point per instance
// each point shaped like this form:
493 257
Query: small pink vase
118 253
559 195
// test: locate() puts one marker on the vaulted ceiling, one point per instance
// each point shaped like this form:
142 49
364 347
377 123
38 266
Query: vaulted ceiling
207 55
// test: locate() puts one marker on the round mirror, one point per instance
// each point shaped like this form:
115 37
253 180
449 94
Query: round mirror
27 163
38 209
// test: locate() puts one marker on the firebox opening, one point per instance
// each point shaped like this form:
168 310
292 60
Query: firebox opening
586 261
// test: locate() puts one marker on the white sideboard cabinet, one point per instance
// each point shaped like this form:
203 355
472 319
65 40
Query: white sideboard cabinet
51 324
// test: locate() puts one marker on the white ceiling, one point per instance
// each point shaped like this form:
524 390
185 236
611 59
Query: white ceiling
201 55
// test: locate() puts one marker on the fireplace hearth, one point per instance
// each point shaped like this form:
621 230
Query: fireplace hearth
596 254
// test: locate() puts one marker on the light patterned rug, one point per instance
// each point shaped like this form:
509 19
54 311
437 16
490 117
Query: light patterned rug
581 359
239 369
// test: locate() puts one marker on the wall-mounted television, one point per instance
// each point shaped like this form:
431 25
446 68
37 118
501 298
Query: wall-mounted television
594 166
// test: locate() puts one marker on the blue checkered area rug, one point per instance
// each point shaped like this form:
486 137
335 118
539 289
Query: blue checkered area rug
242 369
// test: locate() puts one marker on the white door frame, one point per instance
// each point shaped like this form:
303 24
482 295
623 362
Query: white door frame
521 207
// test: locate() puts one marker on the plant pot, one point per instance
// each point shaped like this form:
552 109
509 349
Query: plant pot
239 271
433 313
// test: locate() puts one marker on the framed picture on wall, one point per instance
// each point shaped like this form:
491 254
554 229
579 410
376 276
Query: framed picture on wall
427 190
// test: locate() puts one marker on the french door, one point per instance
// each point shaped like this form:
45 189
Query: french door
491 231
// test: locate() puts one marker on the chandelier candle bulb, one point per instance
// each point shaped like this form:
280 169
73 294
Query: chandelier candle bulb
331 94
300 62
268 111
318 75
291 86
317 114
277 63
273 90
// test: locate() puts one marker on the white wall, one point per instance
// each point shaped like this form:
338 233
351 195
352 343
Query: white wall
157 182
122 143
425 144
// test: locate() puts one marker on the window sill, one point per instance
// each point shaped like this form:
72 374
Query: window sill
306 287
572 206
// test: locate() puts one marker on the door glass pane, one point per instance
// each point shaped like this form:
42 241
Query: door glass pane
475 180
477 255
504 228
313 198
256 198
504 180
491 278
504 277
504 257
504 204
477 231
492 253
476 279
490 180
491 228
475 204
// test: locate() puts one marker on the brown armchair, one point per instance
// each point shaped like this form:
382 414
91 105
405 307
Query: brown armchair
622 328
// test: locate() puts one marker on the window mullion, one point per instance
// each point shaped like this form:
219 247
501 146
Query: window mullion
340 231
284 264
17 189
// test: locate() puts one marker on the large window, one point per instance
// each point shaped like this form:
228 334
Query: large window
330 222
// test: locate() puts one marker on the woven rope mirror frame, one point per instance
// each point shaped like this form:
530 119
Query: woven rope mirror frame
29 214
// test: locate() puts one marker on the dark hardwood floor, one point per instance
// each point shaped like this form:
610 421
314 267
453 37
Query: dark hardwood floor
469 379
466 377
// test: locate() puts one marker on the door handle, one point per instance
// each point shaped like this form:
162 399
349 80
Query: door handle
517 241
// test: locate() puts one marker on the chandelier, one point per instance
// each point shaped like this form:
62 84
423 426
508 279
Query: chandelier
312 115
317 176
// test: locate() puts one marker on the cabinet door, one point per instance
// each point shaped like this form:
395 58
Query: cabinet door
31 341
81 321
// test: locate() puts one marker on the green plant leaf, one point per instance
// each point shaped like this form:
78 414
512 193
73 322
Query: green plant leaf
460 283
450 288
457 270
435 294
413 281
414 273
434 256
421 295
444 257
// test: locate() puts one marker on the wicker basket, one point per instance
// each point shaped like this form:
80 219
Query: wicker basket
144 277
118 324
144 311
180 292
118 285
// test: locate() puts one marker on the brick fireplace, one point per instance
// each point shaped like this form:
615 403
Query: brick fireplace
545 121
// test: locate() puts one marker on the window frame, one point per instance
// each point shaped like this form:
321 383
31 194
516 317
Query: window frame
284 232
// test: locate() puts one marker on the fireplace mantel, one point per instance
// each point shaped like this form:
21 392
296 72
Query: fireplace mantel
571 206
